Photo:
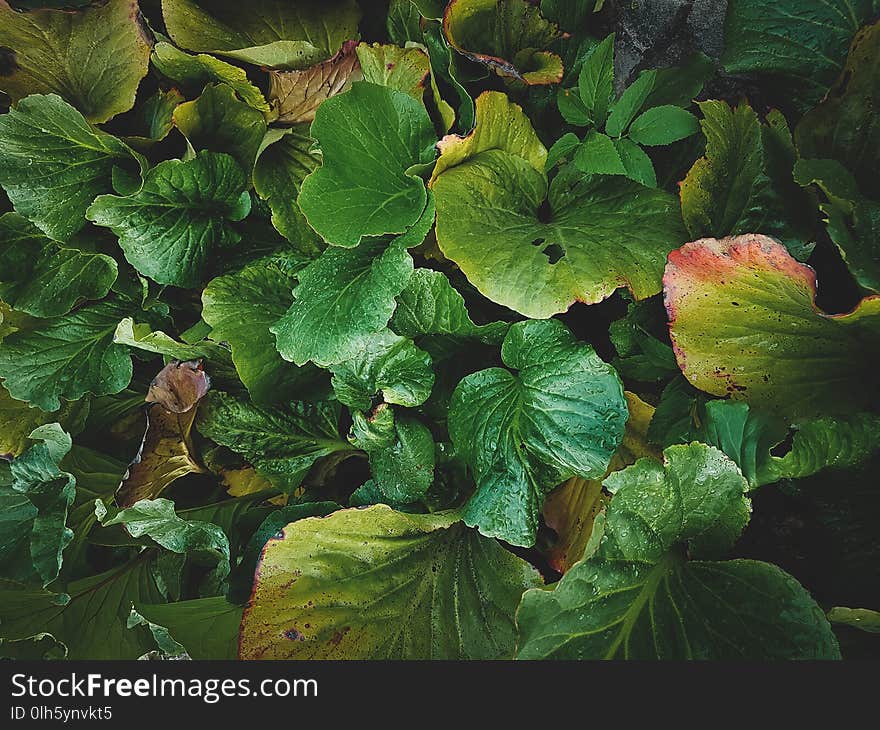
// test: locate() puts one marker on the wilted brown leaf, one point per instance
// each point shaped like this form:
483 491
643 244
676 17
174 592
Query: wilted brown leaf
296 95
179 386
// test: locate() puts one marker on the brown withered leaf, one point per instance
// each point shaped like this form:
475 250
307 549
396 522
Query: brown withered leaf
571 509
296 95
164 456
179 386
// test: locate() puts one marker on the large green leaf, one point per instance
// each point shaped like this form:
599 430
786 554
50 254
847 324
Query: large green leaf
281 443
265 32
53 163
744 323
561 415
577 239
640 596
379 584
744 182
240 308
67 357
94 58
799 45
34 498
511 37
345 295
91 618
284 160
370 137
845 126
44 278
171 226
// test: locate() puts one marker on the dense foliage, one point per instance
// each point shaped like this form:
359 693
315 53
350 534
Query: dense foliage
406 329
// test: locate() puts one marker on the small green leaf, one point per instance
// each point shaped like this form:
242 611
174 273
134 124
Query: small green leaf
630 103
663 125
386 364
345 295
636 163
597 155
370 137
45 278
596 81
35 496
281 443
67 357
219 122
561 415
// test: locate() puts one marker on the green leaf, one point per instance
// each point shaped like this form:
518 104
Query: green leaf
271 33
573 240
200 69
44 278
744 183
386 364
240 308
369 137
509 37
18 419
639 596
744 323
596 81
284 160
680 85
799 46
35 496
561 415
844 127
242 579
561 150
97 477
91 618
141 337
852 221
401 454
169 229
53 163
404 69
598 155
67 357
429 307
636 164
203 542
379 584
345 295
572 108
859 618
94 58
219 122
630 103
663 125
642 355
296 95
206 627
281 443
